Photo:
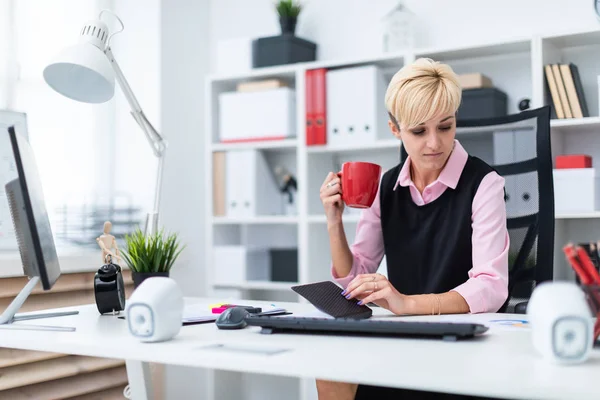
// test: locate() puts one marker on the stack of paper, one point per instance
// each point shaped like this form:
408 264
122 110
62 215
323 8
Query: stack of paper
196 313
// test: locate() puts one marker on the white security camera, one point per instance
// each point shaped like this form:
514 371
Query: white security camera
155 309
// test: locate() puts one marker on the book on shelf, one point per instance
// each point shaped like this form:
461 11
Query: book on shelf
565 91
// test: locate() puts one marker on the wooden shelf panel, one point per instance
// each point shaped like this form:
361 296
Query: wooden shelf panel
65 283
49 370
11 357
101 385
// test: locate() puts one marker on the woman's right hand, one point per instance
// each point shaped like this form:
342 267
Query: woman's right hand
331 197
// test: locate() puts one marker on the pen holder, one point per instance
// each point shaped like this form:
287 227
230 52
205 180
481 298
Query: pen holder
593 297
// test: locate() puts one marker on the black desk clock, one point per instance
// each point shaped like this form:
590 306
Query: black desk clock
109 288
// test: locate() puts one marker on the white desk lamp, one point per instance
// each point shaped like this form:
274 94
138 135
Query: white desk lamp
86 72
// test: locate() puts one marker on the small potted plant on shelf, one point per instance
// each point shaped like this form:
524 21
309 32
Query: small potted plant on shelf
288 11
149 256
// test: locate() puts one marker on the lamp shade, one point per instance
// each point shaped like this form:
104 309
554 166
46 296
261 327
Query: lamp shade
82 72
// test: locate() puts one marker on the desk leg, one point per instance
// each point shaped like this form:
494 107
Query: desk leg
140 380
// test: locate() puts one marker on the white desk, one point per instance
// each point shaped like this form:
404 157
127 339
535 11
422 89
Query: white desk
500 364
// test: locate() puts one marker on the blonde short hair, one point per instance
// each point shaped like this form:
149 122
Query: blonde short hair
421 90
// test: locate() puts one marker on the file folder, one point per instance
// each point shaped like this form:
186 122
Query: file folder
320 104
310 108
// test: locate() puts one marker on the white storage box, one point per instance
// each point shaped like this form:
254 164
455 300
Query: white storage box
239 264
260 115
234 55
355 106
576 190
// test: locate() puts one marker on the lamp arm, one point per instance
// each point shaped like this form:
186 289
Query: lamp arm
156 141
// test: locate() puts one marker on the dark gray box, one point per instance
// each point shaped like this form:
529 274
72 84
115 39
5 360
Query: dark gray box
282 49
284 265
482 103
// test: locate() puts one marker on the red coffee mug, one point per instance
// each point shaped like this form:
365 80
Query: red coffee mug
360 181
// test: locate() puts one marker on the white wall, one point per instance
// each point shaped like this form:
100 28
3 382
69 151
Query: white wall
350 28
184 64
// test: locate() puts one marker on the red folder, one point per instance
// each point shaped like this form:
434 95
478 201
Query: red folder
310 108
320 105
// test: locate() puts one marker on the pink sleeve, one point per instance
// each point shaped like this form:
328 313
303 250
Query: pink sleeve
487 287
367 249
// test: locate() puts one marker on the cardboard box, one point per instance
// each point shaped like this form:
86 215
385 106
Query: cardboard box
474 81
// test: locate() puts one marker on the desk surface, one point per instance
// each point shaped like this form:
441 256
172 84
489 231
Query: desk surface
502 363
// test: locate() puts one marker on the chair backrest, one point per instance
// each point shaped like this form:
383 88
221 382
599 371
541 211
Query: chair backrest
517 146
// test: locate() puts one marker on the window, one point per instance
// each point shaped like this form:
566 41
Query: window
74 143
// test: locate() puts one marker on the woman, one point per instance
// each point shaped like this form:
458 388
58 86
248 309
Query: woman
439 217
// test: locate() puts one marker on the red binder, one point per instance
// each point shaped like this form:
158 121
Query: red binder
320 105
310 108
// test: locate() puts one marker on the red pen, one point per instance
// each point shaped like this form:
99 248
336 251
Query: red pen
588 265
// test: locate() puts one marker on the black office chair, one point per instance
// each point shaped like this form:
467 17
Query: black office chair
528 178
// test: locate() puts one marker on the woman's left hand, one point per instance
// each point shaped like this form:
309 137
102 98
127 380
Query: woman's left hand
377 289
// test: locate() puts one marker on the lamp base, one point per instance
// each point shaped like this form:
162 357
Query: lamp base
151 224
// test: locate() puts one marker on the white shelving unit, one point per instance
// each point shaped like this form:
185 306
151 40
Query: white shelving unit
515 67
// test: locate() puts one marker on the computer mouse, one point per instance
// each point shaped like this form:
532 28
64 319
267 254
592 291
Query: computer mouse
232 318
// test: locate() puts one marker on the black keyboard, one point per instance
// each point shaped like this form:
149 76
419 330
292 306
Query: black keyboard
443 330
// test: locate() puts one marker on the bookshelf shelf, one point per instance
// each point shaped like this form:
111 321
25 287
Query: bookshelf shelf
576 125
320 219
284 144
282 71
574 122
259 220
377 145
586 215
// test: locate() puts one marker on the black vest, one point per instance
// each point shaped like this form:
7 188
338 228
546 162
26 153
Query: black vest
428 248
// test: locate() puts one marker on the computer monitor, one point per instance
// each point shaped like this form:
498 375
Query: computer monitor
33 232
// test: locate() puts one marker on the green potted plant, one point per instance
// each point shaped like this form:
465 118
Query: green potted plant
288 11
149 256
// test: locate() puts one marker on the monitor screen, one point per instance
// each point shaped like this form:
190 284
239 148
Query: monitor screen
30 218
8 171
